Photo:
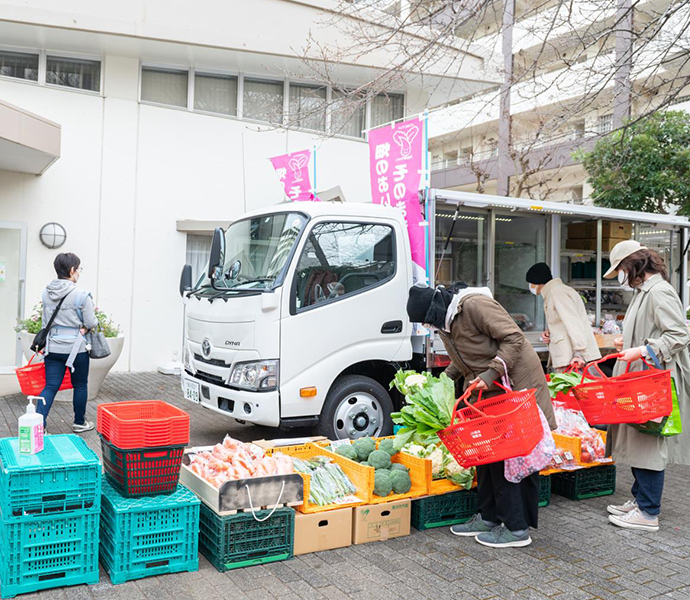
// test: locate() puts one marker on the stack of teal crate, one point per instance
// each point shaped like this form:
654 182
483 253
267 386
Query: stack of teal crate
149 523
50 506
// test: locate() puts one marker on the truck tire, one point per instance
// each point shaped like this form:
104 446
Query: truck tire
356 406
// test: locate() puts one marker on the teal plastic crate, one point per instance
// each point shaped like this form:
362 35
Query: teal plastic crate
153 535
585 483
38 553
65 477
444 510
231 542
544 490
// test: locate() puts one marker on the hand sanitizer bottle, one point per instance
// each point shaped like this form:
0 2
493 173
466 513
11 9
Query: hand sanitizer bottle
31 428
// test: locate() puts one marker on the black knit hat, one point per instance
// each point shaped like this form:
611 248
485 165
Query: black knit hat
539 274
418 303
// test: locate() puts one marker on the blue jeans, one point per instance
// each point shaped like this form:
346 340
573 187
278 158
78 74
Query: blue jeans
55 372
647 490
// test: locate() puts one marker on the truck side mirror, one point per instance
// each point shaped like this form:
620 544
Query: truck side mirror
186 279
216 255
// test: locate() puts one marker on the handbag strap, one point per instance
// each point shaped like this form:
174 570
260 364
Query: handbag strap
653 356
55 312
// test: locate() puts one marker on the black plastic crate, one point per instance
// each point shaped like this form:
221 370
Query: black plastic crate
544 490
585 483
240 540
444 510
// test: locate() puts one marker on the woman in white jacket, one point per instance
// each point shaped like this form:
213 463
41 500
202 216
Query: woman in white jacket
569 334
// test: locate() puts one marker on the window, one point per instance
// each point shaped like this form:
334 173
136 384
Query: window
19 65
341 259
198 249
74 73
215 93
579 129
263 100
164 86
386 108
493 148
308 106
347 115
605 124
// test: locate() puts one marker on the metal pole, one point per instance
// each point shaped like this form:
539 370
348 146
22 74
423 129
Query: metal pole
503 179
600 231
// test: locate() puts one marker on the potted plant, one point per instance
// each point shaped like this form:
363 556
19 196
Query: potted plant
98 369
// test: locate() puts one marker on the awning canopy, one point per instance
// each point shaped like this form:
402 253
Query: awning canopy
28 143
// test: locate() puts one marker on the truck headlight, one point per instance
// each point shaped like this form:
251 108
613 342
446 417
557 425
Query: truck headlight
257 376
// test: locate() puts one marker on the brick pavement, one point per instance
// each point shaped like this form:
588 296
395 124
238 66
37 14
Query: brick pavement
575 555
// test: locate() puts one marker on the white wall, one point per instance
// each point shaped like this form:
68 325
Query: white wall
126 174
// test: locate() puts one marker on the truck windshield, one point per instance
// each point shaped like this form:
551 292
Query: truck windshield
256 251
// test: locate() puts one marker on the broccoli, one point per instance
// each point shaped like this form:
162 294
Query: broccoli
383 485
388 446
347 451
379 459
400 481
364 447
399 467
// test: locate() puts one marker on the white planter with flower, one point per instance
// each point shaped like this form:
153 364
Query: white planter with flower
98 368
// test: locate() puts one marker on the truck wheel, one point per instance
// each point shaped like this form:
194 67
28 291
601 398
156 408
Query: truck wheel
356 406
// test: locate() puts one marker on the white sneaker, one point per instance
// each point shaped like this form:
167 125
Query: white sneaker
635 520
82 428
622 509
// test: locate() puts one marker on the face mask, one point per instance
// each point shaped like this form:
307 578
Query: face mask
623 278
533 289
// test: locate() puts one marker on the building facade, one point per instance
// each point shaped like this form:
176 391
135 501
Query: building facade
165 117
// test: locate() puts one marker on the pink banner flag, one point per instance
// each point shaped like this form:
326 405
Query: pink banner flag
396 157
293 172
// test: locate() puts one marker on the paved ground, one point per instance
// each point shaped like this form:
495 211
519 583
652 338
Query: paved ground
576 554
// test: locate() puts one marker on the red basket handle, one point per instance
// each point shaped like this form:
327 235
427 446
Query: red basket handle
35 354
595 364
467 394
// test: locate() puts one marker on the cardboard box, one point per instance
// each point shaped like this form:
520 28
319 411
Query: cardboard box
609 229
607 244
323 531
381 522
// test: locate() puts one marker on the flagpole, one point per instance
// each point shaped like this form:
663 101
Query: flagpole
426 193
313 151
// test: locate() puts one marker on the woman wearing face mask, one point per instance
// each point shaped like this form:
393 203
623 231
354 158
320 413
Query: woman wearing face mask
66 345
485 344
654 322
569 335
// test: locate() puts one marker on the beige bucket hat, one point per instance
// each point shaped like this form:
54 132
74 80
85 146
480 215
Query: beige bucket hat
620 251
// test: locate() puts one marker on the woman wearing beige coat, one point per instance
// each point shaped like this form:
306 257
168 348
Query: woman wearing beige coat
569 334
655 321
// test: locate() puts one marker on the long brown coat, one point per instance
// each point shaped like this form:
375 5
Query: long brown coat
482 330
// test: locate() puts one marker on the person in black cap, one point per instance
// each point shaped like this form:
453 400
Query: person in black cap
485 345
569 334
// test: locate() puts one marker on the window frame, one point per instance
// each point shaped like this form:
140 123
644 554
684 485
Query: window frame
218 73
165 67
288 116
264 79
306 233
29 51
43 66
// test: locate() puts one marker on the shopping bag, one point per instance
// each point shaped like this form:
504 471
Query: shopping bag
668 426
516 469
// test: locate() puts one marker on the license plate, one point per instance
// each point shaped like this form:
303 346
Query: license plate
191 391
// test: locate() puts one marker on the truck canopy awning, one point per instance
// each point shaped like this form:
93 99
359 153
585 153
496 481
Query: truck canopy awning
28 143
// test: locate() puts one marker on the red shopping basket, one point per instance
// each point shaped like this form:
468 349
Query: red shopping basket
493 429
633 397
32 378
143 424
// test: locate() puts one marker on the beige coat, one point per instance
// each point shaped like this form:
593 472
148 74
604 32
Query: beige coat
481 331
656 317
569 328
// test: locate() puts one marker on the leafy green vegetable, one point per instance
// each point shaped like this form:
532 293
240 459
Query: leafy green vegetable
563 382
429 403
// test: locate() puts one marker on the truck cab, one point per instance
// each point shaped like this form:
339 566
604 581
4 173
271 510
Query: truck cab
300 319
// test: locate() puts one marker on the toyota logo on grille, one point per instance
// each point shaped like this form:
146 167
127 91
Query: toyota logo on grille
206 348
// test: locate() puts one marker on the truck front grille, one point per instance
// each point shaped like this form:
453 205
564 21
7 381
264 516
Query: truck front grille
216 362
209 378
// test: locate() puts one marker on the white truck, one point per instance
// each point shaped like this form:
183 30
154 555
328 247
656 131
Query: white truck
301 317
